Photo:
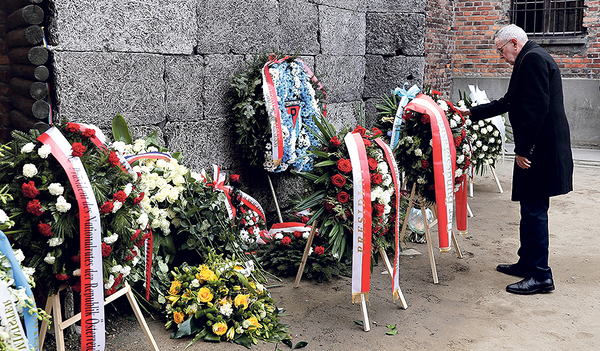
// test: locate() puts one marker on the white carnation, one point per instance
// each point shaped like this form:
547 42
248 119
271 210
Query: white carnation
27 148
44 151
29 170
52 242
56 189
3 217
443 105
128 189
19 255
62 205
278 236
116 206
119 146
484 148
77 272
490 128
452 123
481 123
49 259
496 133
111 239
460 159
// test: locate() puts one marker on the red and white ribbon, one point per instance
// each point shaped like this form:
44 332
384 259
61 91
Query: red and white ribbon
92 294
287 227
461 207
361 242
444 164
391 160
152 155
270 95
218 183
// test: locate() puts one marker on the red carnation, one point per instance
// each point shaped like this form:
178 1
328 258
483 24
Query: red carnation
77 149
286 241
34 207
89 133
344 165
425 119
75 258
298 234
376 179
118 280
243 221
106 250
378 209
113 159
335 142
424 164
343 197
372 163
45 229
139 199
329 206
376 132
111 291
29 190
463 133
407 116
107 207
234 179
72 128
251 230
338 180
435 92
120 196
62 276
457 141
367 142
360 130
77 286
304 219
319 250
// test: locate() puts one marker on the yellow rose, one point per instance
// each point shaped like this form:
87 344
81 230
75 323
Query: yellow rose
241 300
254 323
206 275
219 328
204 295
175 287
178 317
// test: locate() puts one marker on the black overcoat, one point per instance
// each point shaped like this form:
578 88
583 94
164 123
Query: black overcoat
534 102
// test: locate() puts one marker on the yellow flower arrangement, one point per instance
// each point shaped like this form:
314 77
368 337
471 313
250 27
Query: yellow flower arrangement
225 307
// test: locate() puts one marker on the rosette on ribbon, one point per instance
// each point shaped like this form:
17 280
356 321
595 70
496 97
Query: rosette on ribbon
444 164
405 97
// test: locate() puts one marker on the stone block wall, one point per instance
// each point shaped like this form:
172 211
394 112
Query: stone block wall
165 65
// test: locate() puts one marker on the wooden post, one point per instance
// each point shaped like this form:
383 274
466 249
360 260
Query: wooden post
429 243
35 55
275 199
27 36
309 241
29 88
30 107
13 5
53 305
390 270
40 73
27 15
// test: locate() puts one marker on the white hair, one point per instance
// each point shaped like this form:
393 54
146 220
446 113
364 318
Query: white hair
512 31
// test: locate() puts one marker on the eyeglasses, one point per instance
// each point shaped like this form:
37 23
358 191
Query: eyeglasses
502 47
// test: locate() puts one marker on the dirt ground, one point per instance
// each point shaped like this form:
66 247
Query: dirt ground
468 310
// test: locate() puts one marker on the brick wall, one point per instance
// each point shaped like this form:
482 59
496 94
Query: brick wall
438 45
475 23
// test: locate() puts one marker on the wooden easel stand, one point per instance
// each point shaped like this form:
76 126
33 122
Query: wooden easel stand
53 305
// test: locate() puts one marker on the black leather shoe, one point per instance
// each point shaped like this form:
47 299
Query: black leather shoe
511 269
530 286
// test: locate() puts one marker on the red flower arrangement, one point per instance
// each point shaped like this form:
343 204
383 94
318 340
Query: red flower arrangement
45 229
286 241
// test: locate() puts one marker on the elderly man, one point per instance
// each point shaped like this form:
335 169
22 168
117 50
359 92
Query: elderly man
543 160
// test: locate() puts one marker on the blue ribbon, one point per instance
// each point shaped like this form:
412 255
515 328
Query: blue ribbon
405 97
31 320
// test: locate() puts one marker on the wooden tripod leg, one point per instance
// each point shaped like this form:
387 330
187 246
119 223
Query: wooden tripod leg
390 270
496 179
275 199
309 241
455 243
44 326
363 304
140 318
429 244
410 205
57 321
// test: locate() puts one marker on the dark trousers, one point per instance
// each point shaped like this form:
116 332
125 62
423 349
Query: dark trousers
533 253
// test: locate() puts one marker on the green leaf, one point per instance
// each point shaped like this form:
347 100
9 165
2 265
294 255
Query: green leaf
326 163
184 329
392 328
288 342
300 345
120 129
244 341
361 323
